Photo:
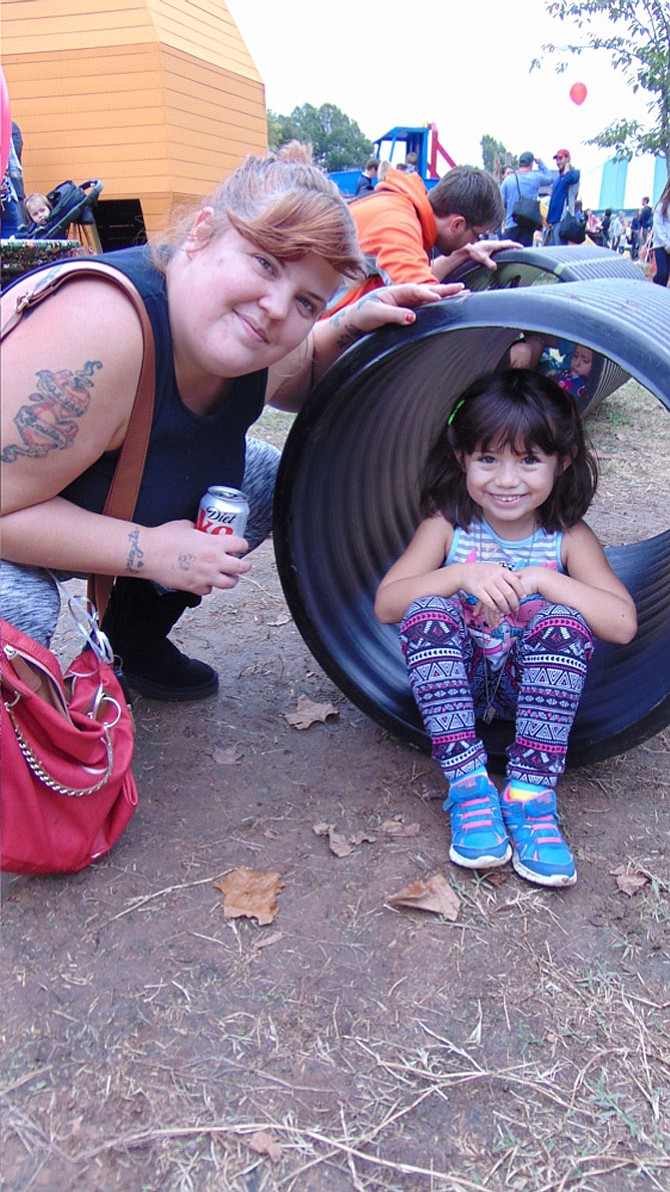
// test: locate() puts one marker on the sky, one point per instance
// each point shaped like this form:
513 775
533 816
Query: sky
462 67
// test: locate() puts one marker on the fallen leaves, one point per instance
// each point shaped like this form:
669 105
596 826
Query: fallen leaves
629 882
308 713
250 894
339 845
265 1144
432 894
396 826
228 757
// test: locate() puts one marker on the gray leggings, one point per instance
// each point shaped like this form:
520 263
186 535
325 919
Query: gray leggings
29 596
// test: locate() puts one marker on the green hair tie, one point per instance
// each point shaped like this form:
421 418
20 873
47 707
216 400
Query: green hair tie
455 410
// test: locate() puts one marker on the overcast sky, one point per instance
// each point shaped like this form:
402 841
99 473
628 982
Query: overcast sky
464 67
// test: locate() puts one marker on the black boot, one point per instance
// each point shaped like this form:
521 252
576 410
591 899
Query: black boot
137 622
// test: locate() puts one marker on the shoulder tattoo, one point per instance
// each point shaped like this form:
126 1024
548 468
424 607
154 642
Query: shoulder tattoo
48 421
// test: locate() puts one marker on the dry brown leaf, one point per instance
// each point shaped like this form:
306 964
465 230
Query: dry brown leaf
321 829
432 894
629 883
264 1144
339 845
309 713
397 827
228 757
250 894
361 838
495 878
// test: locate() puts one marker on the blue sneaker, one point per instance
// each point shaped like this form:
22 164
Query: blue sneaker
540 852
478 837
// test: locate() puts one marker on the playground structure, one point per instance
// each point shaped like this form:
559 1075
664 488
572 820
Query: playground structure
394 145
159 100
348 482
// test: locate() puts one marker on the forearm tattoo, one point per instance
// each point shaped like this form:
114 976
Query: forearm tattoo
48 421
135 560
350 335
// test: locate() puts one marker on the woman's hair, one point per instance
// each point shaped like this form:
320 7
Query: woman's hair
523 409
287 206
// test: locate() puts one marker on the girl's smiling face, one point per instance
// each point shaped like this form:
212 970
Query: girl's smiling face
235 308
509 485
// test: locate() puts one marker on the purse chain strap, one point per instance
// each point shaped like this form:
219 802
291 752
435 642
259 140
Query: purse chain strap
39 771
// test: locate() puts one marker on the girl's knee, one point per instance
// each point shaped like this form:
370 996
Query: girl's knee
434 604
561 622
432 609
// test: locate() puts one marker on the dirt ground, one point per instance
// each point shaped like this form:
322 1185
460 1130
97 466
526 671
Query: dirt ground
151 1043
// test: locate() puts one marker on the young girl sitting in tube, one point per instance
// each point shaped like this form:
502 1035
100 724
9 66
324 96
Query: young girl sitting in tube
500 594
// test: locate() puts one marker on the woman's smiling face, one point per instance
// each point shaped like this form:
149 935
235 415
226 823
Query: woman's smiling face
235 308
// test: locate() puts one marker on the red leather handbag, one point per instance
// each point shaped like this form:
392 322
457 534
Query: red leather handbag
67 740
67 746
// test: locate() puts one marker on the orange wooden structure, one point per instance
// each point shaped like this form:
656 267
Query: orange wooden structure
159 99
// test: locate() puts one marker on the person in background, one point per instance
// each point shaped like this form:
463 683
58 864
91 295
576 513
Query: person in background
616 231
366 180
575 376
498 598
234 298
17 174
403 224
526 182
635 231
605 226
411 162
646 220
565 184
38 208
384 167
10 189
660 237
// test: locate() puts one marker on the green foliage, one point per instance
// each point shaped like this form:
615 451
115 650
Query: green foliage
337 141
636 36
495 156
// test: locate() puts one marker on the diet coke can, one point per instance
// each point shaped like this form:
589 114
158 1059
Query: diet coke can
223 511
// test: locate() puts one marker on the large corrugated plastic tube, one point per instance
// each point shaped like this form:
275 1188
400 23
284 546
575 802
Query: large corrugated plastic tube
347 504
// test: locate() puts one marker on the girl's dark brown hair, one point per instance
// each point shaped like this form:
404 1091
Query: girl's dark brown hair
523 409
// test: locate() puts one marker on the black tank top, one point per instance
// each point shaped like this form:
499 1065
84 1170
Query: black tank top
188 452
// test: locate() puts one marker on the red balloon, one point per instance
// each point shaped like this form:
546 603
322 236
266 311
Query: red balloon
578 93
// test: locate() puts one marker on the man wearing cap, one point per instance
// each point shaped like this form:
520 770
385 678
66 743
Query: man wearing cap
565 185
525 183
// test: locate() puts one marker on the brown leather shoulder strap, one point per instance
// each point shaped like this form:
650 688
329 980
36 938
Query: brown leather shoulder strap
125 486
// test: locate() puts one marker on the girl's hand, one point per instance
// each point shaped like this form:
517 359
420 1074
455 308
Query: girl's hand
179 556
497 591
532 577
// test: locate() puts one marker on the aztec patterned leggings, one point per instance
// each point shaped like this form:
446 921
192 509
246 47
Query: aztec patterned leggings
540 687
